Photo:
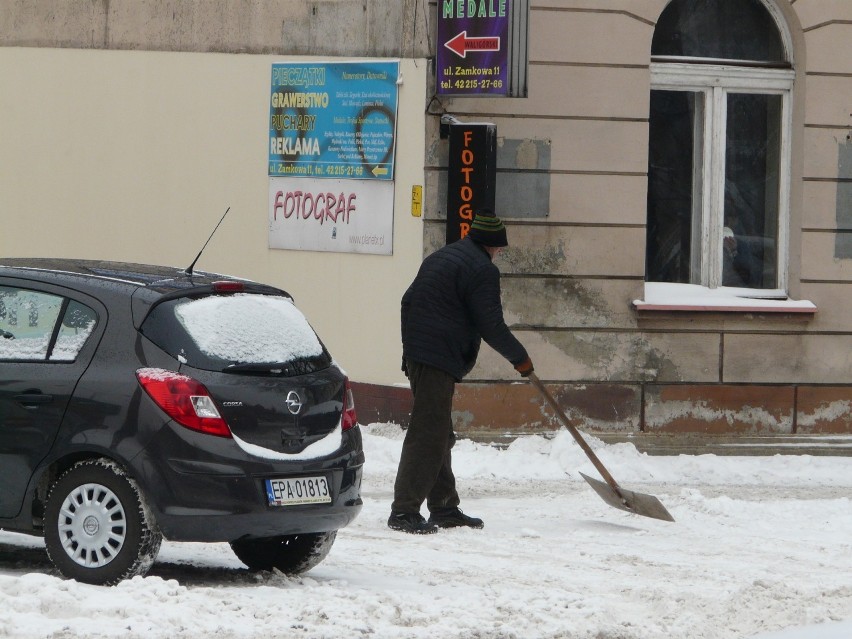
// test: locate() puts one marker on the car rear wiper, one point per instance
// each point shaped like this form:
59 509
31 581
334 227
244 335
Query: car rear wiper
301 366
260 367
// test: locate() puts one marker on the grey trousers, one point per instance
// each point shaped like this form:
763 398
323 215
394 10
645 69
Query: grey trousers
425 466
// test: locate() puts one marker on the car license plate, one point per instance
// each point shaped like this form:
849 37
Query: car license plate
293 491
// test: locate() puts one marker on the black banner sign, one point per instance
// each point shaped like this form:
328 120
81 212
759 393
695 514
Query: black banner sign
471 175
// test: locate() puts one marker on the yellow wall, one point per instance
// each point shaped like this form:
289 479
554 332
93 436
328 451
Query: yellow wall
134 156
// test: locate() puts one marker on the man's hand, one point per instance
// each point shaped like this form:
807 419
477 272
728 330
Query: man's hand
525 367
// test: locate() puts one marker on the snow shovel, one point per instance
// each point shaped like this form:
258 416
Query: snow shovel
610 492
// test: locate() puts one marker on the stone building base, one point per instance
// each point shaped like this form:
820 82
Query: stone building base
483 410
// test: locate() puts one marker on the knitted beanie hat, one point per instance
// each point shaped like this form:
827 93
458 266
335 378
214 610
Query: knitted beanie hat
487 229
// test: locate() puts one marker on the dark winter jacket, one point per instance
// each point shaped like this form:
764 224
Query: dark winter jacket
452 304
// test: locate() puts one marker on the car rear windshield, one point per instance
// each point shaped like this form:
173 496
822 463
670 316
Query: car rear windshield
244 332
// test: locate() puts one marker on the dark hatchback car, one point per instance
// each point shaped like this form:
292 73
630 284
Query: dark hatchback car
140 402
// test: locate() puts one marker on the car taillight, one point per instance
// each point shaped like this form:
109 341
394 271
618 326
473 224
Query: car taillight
184 400
349 419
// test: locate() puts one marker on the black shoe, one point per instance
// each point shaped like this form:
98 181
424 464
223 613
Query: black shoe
411 523
452 518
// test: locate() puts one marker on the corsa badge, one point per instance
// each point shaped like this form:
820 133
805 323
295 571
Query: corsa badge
294 403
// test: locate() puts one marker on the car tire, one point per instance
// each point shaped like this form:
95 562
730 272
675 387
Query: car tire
98 528
291 554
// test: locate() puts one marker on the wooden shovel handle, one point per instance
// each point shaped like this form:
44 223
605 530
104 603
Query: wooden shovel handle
575 434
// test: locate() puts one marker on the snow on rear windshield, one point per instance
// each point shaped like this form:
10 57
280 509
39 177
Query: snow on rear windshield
251 329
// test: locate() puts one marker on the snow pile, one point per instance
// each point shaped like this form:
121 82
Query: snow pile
560 458
761 548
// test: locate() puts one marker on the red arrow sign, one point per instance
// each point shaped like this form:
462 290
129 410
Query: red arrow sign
461 44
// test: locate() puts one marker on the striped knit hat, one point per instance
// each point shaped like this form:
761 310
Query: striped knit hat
487 229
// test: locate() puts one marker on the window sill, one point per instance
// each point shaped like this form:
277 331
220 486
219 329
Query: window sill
662 297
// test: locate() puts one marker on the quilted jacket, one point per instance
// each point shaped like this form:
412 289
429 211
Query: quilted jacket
453 304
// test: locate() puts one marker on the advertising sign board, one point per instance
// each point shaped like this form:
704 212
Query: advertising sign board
333 119
473 47
332 139
344 216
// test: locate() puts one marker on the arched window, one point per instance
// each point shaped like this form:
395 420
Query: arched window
719 137
734 31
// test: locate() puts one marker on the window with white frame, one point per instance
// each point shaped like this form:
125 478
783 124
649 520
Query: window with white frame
719 147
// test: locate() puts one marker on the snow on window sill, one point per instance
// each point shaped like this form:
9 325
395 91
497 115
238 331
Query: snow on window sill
665 297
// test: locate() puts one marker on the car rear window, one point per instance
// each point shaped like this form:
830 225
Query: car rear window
221 332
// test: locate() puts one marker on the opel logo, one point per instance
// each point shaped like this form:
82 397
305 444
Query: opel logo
294 402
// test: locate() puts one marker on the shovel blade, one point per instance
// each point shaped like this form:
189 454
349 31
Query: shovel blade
636 503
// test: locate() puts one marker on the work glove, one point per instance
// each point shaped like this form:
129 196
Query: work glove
525 367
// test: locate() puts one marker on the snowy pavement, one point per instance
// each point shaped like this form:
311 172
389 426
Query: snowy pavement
761 546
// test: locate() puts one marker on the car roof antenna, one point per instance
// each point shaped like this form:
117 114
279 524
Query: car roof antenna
188 271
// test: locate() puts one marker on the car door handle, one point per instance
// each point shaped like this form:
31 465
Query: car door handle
33 399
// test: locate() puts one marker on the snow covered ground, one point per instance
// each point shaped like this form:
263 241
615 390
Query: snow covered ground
761 547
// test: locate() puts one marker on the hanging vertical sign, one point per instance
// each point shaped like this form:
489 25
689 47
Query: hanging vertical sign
482 47
471 175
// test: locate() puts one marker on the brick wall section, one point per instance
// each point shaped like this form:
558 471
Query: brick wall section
375 403
519 408
824 410
516 408
719 409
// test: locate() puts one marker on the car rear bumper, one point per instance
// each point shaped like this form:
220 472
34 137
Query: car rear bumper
203 488
228 523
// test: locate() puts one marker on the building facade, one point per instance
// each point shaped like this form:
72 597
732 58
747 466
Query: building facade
677 187
690 274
